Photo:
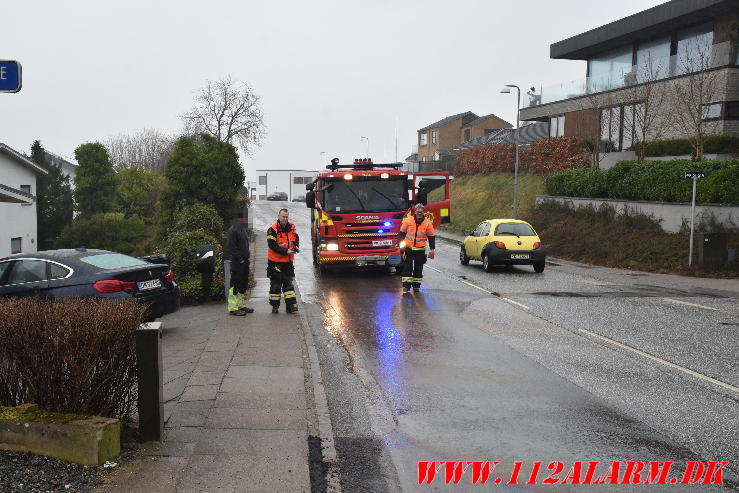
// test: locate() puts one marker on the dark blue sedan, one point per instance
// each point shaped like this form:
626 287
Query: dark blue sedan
82 273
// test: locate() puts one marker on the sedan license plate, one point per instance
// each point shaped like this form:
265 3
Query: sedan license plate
153 284
519 256
382 242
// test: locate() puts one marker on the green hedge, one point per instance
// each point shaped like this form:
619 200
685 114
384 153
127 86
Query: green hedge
713 144
661 181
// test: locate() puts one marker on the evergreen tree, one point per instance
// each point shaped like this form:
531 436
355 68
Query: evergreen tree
54 203
205 170
95 181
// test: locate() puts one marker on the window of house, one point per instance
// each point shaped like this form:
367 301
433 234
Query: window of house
467 134
263 180
433 136
627 129
694 48
26 189
732 110
711 111
607 70
16 245
301 180
557 126
422 139
653 60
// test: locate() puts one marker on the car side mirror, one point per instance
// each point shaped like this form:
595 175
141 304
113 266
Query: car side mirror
310 199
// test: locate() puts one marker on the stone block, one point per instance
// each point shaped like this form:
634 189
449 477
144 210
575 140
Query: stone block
85 440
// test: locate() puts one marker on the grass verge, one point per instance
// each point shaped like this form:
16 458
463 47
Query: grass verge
487 196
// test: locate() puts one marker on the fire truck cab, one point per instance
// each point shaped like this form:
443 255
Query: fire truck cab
358 209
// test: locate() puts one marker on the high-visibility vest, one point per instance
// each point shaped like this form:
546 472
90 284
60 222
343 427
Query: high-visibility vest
416 235
284 239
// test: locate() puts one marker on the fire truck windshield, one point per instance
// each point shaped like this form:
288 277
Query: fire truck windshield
366 196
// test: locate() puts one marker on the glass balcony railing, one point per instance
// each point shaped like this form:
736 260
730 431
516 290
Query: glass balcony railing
648 71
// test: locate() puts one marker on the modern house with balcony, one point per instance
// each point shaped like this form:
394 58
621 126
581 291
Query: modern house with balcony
676 46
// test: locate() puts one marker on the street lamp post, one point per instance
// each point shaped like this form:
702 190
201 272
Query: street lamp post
367 139
323 159
506 90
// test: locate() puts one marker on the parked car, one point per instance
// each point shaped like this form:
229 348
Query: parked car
503 242
299 198
55 274
277 196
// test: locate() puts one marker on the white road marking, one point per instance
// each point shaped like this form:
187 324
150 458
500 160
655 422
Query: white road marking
433 268
670 300
515 303
662 361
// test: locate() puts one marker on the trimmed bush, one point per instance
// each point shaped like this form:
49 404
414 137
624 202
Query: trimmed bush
713 144
721 187
181 249
576 183
542 156
71 356
110 231
198 216
660 181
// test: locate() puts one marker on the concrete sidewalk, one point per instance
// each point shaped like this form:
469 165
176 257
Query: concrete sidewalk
670 279
237 407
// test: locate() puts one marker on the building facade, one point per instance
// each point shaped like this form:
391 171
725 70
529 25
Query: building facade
442 135
485 125
17 202
290 181
651 75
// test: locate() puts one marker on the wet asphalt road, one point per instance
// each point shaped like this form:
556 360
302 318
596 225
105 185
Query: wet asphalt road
518 366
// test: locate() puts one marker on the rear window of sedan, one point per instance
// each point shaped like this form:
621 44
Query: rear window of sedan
111 261
518 229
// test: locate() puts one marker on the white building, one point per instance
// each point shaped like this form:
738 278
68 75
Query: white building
290 181
68 169
17 202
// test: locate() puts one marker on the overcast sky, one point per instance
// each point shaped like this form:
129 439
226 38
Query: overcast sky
328 72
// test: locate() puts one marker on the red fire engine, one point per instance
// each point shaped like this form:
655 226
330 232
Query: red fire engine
358 209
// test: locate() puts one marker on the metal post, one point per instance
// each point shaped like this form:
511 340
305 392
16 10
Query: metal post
515 170
290 187
150 381
692 221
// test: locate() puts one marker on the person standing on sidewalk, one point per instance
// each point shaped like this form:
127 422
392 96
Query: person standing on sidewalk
283 243
238 249
416 231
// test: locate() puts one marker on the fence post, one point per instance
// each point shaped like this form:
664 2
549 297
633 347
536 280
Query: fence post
149 374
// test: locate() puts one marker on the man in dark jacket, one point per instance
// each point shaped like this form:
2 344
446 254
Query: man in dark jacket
238 248
282 245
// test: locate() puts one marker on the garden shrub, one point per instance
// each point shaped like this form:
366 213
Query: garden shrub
660 181
181 249
74 356
109 231
198 216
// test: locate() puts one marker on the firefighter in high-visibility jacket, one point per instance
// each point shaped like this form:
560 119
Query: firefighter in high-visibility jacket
283 243
416 231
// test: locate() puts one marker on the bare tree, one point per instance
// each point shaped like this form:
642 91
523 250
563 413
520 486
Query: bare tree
228 111
693 94
147 148
645 104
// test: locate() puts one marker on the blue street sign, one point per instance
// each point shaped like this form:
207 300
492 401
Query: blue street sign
10 76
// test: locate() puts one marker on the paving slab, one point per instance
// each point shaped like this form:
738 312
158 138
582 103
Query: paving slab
243 473
261 400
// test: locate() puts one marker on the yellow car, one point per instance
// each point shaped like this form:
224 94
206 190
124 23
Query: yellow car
503 242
